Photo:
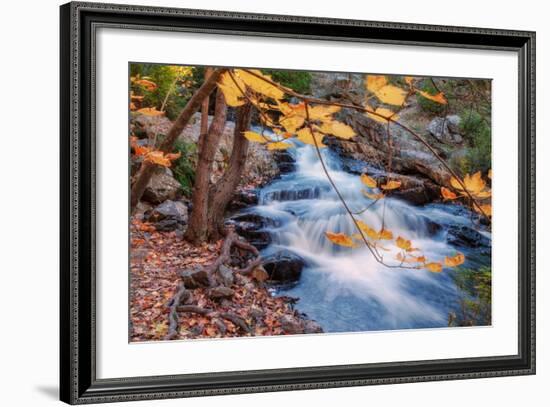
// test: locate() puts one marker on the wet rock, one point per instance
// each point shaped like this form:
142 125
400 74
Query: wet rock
312 327
293 194
168 216
243 199
284 267
291 325
284 160
251 227
221 292
162 187
419 195
467 237
195 278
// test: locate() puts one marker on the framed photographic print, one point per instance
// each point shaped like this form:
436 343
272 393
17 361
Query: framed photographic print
256 203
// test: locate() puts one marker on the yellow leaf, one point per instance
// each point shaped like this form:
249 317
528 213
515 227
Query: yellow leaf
370 232
280 145
338 129
253 80
409 80
255 137
474 183
375 82
454 261
385 234
372 196
410 259
233 95
434 267
340 239
150 111
438 98
391 184
368 181
322 112
482 194
381 114
447 193
292 123
403 243
486 209
392 95
306 137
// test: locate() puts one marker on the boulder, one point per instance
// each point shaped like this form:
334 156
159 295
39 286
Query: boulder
284 267
226 275
168 216
162 186
312 327
221 292
195 277
446 129
291 325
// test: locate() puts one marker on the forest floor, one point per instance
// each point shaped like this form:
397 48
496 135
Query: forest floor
156 263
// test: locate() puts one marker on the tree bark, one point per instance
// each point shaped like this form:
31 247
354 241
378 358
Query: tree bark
147 168
208 144
223 191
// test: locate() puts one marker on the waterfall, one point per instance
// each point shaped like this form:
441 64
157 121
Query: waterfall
347 289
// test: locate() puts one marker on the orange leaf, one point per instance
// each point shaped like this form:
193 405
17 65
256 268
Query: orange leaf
403 243
157 157
447 193
368 181
454 261
434 267
438 98
391 184
149 85
340 239
150 111
372 196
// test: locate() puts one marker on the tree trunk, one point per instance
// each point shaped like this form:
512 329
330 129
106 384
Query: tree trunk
147 168
220 195
208 145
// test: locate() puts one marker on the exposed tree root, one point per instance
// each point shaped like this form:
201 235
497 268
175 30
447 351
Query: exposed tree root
184 295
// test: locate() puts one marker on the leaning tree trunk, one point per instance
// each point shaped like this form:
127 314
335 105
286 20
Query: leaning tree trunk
147 168
220 195
208 144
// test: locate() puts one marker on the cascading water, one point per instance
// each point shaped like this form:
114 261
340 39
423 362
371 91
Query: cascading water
346 289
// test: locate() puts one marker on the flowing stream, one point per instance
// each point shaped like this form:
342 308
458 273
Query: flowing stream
346 289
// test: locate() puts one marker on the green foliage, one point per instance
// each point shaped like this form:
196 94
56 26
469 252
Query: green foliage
184 167
427 105
298 81
176 82
477 133
475 301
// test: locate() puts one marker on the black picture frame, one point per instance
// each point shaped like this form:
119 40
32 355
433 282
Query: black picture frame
78 382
